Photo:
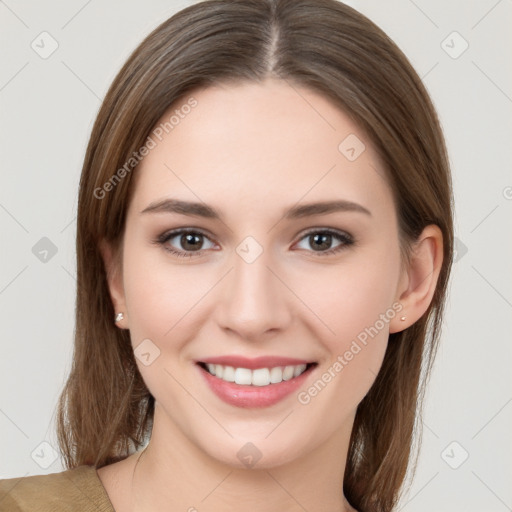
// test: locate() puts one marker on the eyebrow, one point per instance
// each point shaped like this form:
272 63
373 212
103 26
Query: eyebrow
169 205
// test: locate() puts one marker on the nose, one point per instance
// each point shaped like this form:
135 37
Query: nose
254 302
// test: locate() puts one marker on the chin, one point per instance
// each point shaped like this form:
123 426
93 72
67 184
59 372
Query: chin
254 453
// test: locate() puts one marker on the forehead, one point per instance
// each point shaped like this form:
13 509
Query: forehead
254 146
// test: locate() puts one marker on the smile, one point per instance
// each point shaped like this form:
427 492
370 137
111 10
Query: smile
257 377
254 383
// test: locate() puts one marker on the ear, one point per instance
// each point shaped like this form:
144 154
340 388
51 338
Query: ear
418 282
113 269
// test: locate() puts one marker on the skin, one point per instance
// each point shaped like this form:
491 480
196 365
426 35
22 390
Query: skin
252 151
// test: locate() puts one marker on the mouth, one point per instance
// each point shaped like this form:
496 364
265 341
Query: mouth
256 377
254 383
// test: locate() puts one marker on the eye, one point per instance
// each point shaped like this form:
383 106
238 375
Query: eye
191 241
321 239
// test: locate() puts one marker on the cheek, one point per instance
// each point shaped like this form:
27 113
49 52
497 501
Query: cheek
158 295
357 309
351 296
352 306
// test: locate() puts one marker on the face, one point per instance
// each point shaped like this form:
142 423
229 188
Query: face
251 280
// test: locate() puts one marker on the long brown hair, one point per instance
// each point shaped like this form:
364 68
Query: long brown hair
105 410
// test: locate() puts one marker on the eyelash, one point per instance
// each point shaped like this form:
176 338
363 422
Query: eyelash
162 240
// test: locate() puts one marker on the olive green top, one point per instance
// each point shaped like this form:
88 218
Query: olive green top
74 490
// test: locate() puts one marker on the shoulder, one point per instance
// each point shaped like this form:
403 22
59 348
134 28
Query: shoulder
77 489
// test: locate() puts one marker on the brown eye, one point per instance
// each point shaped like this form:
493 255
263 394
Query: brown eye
184 243
191 241
320 241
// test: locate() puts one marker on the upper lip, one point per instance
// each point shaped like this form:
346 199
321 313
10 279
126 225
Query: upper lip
253 363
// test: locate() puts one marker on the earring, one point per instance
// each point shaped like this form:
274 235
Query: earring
402 318
119 317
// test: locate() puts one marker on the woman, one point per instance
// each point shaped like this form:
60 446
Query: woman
264 246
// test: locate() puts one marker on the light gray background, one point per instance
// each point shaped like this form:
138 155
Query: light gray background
47 110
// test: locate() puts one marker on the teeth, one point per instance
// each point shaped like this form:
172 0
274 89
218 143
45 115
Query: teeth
297 370
259 377
276 375
243 376
288 372
229 374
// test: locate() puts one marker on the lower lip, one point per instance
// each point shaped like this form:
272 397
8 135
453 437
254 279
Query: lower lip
253 396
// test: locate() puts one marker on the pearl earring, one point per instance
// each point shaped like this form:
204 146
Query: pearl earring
402 318
119 317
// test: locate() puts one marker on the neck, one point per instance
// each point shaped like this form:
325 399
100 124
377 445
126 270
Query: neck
172 473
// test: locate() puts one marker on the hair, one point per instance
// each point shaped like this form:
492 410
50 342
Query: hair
105 408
